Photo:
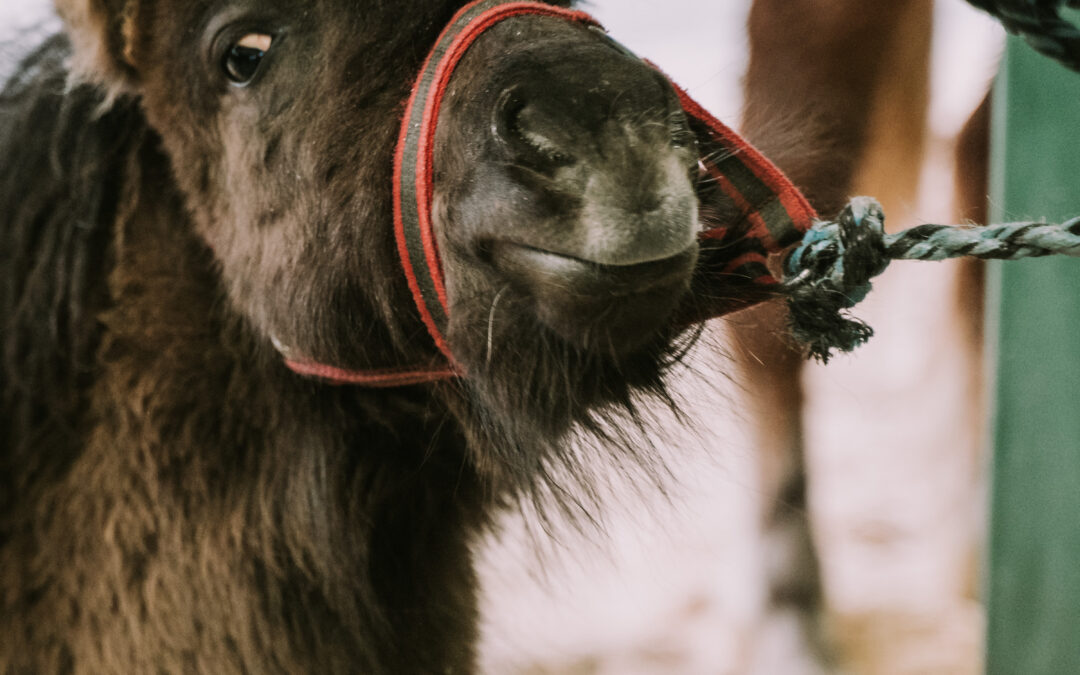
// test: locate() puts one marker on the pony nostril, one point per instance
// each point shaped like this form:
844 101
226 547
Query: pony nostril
651 203
505 119
526 131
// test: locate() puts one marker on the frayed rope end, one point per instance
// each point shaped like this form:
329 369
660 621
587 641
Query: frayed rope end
829 273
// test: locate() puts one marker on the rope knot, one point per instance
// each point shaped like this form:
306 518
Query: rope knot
830 272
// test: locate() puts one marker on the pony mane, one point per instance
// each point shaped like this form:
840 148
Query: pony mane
55 254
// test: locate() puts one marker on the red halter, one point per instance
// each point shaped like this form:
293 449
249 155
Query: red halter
777 212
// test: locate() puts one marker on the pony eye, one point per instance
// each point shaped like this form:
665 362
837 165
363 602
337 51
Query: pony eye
242 60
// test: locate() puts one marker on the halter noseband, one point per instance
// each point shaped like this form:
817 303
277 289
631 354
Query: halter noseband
777 213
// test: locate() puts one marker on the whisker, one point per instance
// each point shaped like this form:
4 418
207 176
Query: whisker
491 325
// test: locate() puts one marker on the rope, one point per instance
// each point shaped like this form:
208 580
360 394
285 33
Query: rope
1040 23
830 271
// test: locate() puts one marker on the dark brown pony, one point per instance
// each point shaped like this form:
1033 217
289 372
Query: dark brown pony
193 193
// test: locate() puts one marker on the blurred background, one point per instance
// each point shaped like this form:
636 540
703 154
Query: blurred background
894 442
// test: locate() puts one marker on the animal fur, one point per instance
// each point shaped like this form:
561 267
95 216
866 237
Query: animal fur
173 498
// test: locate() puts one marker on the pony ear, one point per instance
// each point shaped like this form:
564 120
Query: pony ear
101 33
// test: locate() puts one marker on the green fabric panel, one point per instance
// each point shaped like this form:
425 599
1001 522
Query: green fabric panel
1034 551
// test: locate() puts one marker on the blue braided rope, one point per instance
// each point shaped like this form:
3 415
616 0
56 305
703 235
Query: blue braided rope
1041 24
830 271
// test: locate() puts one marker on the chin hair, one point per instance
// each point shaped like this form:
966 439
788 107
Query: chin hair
551 425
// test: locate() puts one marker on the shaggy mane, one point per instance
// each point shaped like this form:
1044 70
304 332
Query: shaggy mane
63 179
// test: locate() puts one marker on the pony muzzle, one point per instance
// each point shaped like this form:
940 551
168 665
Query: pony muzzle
658 253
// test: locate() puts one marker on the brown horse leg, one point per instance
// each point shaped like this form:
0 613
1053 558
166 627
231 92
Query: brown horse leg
792 634
815 94
972 183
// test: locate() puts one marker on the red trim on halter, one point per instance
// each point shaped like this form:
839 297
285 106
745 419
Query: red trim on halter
424 168
374 378
798 207
794 202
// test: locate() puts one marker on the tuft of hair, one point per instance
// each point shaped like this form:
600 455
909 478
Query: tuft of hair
52 255
623 458
553 429
100 37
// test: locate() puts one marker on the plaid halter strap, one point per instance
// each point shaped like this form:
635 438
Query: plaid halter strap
774 213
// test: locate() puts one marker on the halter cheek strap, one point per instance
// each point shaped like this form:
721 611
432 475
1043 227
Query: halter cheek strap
414 161
773 213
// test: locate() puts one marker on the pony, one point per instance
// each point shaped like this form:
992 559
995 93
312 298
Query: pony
197 234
